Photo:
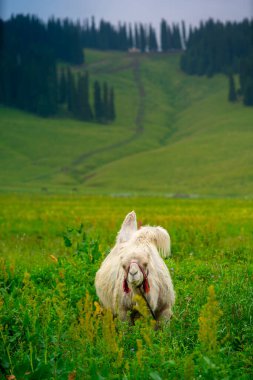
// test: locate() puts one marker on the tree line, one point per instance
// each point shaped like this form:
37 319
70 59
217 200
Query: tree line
28 62
74 93
30 51
245 90
227 48
124 37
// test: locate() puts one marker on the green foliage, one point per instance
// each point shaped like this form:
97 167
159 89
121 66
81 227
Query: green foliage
84 108
29 52
246 80
36 313
152 41
232 91
52 326
111 105
98 104
214 47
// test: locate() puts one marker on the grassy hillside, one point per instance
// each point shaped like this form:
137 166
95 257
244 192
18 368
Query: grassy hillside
173 134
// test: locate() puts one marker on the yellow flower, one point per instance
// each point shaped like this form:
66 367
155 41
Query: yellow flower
139 352
98 309
26 278
54 258
208 322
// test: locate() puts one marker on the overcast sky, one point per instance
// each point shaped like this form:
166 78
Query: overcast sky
146 11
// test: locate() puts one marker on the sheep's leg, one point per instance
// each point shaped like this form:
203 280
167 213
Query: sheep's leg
165 315
123 315
129 316
163 318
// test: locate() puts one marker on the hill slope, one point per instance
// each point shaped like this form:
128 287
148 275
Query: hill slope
173 134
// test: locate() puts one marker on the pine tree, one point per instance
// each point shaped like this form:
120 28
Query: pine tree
123 41
246 80
112 114
52 90
88 110
184 39
143 39
130 38
84 109
152 41
80 98
176 38
93 34
248 93
164 36
62 87
137 37
72 96
98 106
232 92
170 38
105 102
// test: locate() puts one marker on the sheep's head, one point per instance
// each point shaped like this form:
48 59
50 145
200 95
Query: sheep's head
136 270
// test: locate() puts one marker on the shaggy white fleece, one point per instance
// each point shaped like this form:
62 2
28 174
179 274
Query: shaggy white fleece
135 259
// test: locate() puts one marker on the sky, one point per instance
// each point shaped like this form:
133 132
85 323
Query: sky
146 11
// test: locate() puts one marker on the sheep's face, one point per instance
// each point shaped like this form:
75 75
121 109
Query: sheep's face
135 276
134 268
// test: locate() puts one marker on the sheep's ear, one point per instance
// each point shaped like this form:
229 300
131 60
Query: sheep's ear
128 228
156 235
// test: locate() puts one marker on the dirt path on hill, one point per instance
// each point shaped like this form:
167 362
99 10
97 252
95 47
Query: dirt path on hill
135 66
139 119
141 95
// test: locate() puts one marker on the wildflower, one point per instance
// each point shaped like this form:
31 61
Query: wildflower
98 309
72 375
26 278
109 332
62 273
12 268
54 258
208 322
140 306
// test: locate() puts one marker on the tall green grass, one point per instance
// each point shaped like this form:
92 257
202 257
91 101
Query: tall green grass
52 327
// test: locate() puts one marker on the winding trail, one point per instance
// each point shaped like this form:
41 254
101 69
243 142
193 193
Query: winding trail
139 119
141 93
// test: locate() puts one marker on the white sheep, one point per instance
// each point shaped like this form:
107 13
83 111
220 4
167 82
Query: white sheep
135 267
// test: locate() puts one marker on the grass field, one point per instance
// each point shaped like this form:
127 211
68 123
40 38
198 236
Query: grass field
174 134
51 326
65 188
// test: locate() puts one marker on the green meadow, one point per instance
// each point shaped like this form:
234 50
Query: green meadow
65 188
51 325
173 134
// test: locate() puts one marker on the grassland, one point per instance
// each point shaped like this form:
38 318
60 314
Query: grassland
174 134
51 326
